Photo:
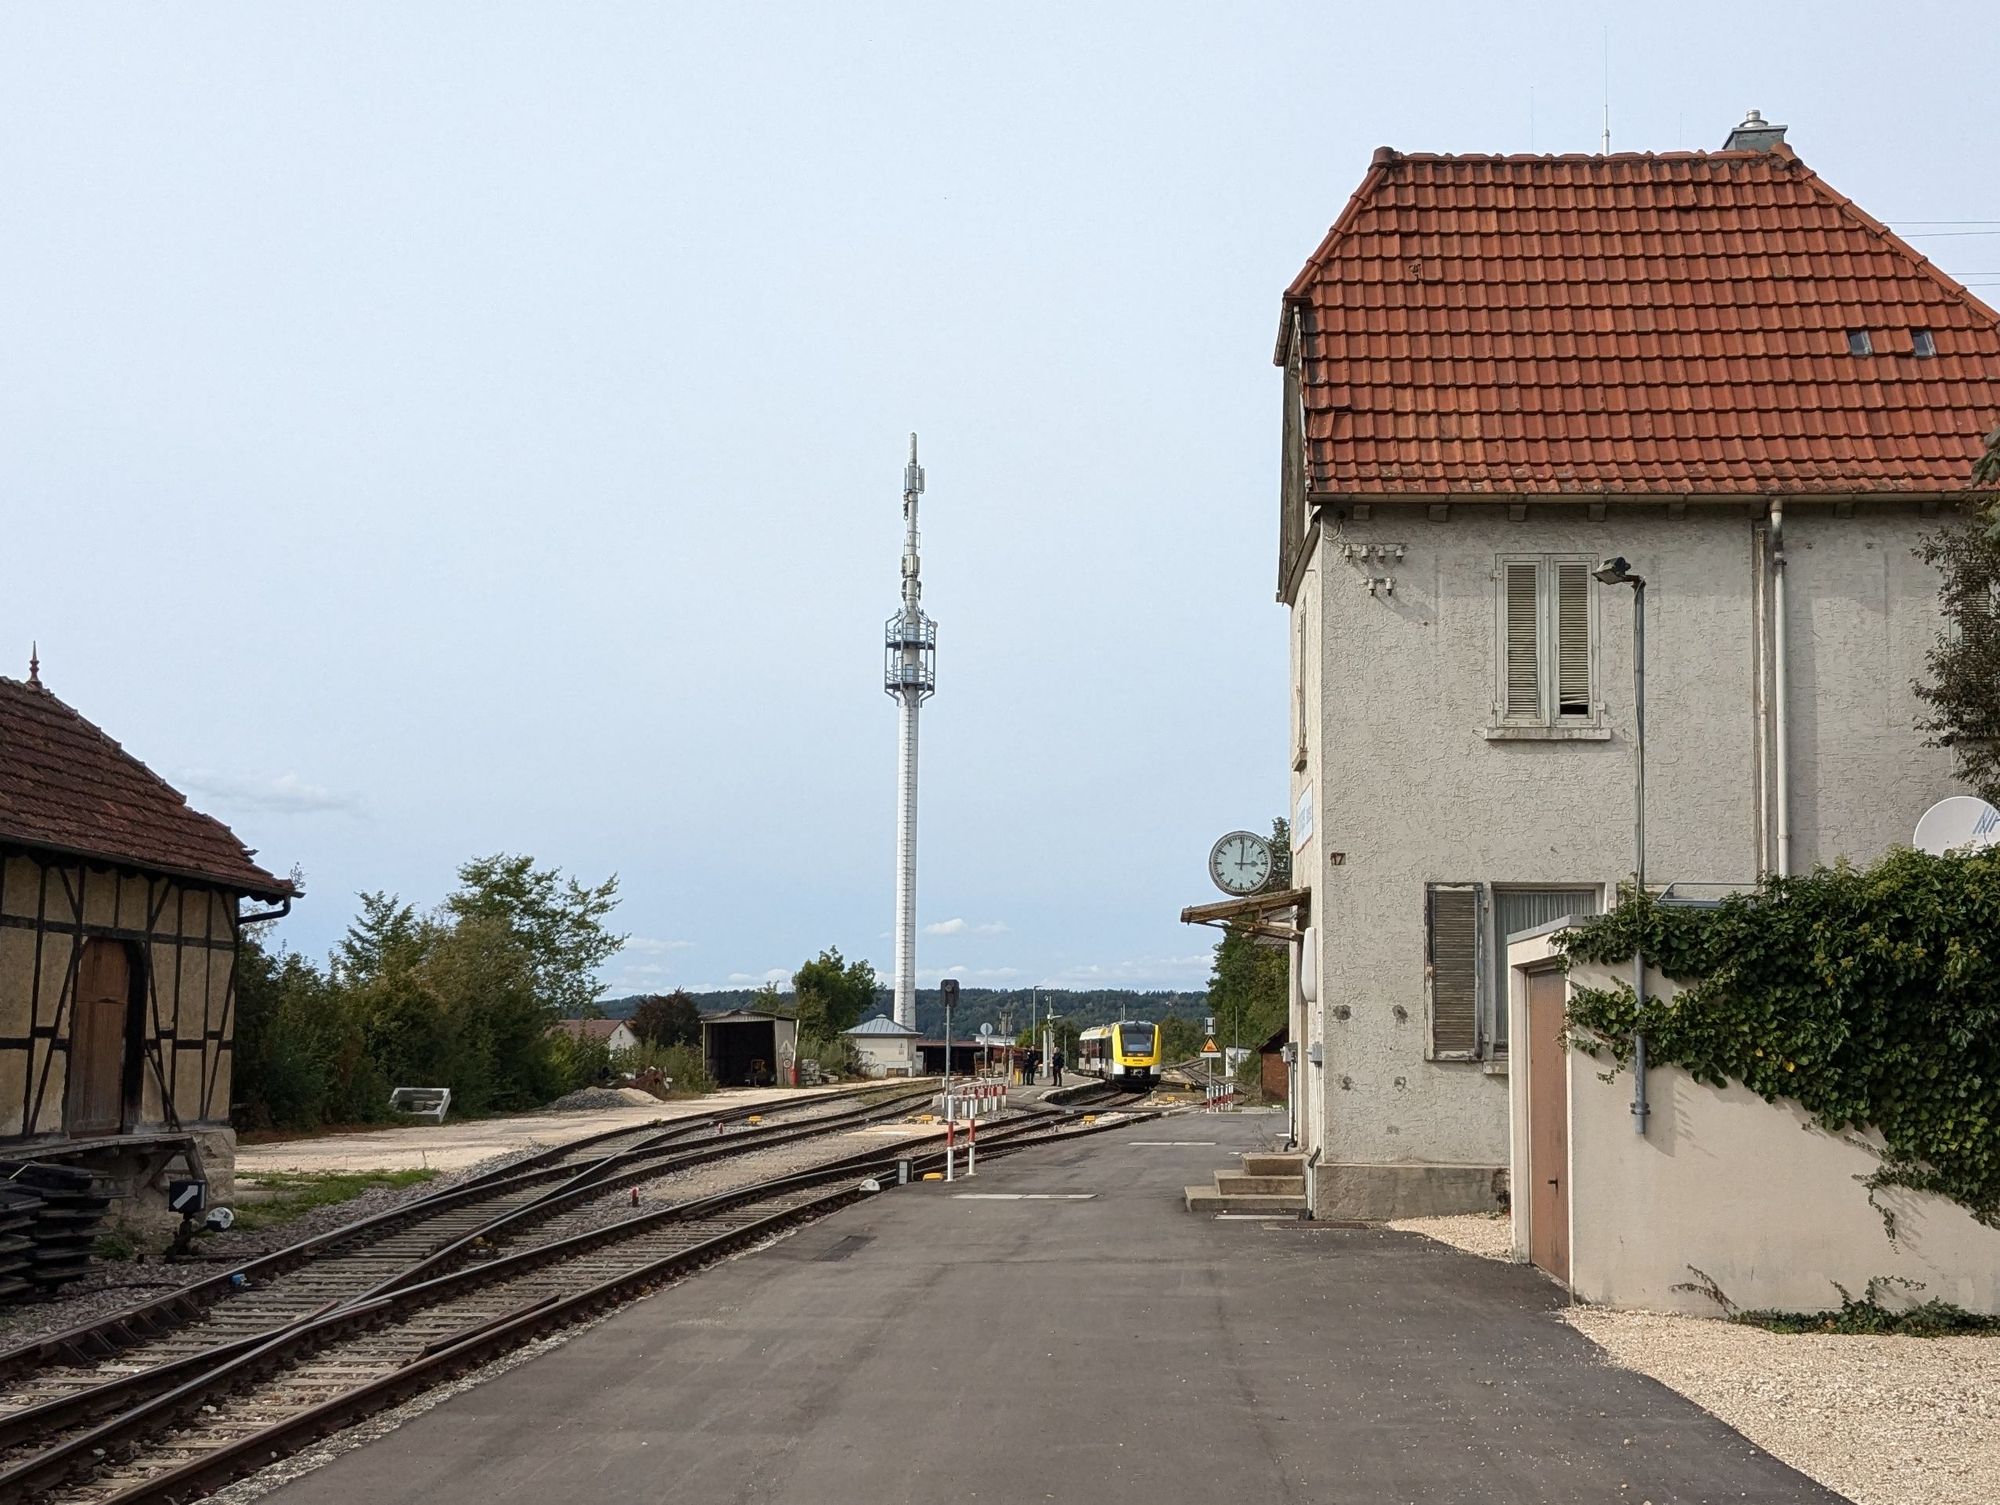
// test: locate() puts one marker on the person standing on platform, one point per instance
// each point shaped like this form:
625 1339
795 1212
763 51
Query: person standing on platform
1055 1069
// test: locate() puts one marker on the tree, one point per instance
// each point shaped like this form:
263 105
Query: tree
558 920
1281 854
832 993
672 1019
1962 687
1249 990
386 936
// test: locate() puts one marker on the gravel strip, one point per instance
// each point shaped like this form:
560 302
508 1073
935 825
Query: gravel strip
1490 1235
1884 1421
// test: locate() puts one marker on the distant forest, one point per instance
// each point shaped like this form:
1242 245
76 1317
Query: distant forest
1006 1009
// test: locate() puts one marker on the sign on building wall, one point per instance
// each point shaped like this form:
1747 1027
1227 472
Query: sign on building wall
1302 817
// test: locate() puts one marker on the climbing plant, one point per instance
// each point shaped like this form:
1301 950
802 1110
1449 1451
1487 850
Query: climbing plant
1870 996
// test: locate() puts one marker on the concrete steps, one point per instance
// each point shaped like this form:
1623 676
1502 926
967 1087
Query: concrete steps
1266 1183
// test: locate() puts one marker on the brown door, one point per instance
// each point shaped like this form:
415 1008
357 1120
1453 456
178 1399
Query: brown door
1548 1126
95 1101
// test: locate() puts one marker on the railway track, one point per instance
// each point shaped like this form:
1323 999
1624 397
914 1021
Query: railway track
173 1436
416 1239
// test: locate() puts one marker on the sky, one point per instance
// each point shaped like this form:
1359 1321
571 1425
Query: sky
428 431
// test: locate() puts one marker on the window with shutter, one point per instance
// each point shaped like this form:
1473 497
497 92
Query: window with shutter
1547 649
1452 969
1523 649
1572 590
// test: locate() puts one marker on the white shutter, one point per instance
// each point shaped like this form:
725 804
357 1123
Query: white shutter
1572 638
1452 969
1522 612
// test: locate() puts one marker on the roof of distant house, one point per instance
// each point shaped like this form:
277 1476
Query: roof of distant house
67 788
880 1024
1632 324
589 1029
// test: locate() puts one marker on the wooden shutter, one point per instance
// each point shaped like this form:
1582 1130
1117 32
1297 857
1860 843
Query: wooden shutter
1452 969
1522 645
1572 639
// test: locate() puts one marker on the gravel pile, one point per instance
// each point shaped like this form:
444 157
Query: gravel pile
586 1099
1884 1421
1490 1235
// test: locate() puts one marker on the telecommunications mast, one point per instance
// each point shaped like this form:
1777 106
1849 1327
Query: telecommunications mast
910 675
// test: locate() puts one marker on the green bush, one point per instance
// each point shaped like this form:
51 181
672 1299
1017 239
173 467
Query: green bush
682 1064
1869 996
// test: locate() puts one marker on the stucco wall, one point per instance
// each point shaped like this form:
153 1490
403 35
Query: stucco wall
1410 791
880 1053
1752 1194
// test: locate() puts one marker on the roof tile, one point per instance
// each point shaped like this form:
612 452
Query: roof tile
1646 323
66 787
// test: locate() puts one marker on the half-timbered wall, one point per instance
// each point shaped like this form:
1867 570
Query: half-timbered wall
182 940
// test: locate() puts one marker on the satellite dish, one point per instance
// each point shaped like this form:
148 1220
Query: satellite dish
1955 823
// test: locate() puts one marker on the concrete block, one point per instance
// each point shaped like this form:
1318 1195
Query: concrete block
1379 1193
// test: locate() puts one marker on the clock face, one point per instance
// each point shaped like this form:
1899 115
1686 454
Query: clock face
1240 863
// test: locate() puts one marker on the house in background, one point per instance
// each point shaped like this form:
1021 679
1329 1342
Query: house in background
120 913
615 1034
1499 372
884 1047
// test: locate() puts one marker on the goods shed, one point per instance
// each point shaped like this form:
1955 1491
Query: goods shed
750 1048
121 910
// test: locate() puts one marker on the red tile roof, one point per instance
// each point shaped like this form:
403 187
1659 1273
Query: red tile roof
66 787
1631 324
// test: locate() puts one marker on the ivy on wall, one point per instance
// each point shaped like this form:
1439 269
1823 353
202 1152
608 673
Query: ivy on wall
1870 996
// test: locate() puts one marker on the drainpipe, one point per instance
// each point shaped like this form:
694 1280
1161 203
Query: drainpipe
1778 690
1641 1109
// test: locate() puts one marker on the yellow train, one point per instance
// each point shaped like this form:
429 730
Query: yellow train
1126 1053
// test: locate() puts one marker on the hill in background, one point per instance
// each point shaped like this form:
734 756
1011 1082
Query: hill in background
1006 1009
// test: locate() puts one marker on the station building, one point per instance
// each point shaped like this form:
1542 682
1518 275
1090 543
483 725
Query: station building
121 909
1500 372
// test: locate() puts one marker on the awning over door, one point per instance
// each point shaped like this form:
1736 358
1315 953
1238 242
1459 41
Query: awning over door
1275 914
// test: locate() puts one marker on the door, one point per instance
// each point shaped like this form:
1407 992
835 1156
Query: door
95 1099
1548 1126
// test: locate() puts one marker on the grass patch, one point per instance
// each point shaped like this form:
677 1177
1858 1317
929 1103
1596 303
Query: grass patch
299 1192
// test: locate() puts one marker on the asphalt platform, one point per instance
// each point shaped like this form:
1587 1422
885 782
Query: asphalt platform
1060 1329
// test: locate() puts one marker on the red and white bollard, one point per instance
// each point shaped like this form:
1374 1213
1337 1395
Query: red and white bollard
972 1146
949 1126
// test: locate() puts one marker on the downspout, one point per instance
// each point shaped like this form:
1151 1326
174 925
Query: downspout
1778 690
1641 1109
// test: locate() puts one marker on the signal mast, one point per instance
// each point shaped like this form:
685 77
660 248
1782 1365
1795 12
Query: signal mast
910 676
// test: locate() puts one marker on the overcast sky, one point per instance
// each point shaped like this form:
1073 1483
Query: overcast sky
433 430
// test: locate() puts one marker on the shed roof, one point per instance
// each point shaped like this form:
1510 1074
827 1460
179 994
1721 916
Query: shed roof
880 1024
1632 324
66 787
747 1016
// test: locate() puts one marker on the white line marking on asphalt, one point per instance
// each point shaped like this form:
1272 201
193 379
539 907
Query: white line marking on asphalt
1024 1196
1171 1144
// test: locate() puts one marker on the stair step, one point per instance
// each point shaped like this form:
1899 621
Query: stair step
1232 1185
1207 1199
1274 1165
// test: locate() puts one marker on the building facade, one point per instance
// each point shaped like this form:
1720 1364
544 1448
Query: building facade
1499 373
884 1048
120 914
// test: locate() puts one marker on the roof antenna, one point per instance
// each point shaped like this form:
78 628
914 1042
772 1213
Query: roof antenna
1607 91
34 664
